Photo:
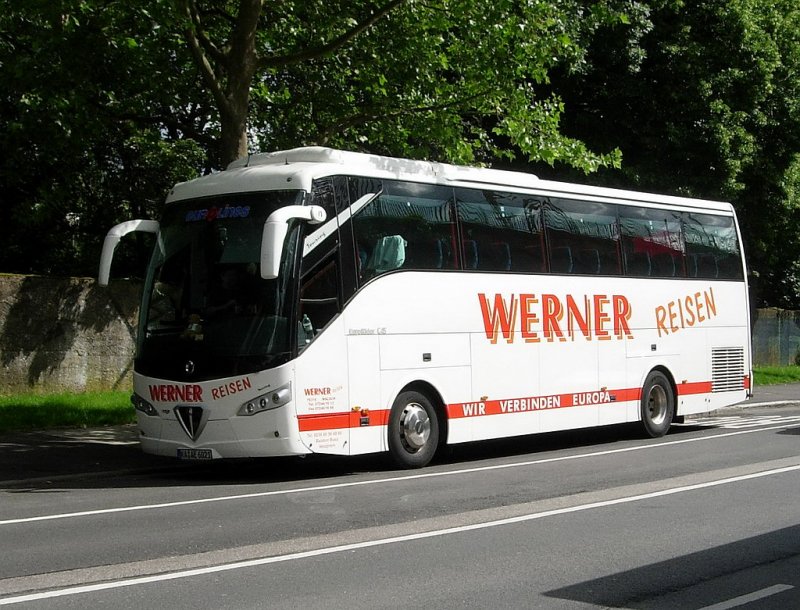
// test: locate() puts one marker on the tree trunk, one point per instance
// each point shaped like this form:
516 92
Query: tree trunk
233 139
227 73
242 62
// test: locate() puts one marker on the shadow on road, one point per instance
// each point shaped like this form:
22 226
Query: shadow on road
111 458
700 579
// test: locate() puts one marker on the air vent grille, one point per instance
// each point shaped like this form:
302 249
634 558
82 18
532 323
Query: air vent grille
727 369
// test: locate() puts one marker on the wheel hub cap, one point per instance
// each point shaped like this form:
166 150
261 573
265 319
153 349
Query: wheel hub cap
415 426
657 405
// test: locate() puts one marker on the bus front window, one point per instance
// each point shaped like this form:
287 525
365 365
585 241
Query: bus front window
207 313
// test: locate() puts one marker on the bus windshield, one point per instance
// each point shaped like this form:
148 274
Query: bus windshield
207 313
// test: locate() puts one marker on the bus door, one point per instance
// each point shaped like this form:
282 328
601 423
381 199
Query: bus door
322 395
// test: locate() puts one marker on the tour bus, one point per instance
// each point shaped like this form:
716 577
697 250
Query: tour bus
322 301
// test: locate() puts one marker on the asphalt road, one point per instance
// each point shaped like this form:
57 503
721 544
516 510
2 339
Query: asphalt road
706 517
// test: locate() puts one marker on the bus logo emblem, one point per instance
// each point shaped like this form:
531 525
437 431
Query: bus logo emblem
191 420
189 367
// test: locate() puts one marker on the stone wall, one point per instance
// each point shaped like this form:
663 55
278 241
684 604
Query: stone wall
66 334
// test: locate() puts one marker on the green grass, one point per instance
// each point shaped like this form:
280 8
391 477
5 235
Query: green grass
770 375
36 412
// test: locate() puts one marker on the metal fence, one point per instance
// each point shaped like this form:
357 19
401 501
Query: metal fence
776 337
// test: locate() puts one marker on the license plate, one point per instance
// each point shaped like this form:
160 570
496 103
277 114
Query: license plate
194 454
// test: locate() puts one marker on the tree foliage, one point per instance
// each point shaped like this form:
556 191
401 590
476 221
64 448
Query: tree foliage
104 104
435 78
85 128
703 100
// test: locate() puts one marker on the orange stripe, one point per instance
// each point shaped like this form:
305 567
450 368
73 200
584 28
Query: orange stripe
337 421
353 419
541 403
699 387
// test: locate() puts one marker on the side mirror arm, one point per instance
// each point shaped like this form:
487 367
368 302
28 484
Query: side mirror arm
116 233
275 230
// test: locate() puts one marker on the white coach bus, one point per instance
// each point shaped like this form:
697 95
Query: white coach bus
321 301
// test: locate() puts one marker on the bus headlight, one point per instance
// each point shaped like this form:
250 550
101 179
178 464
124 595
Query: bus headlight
274 399
140 404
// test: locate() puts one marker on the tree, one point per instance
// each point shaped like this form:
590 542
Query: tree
702 99
441 78
105 104
88 128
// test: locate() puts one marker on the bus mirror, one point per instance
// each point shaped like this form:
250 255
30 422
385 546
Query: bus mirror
112 239
275 229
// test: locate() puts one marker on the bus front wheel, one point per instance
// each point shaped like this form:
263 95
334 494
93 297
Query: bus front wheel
413 430
658 404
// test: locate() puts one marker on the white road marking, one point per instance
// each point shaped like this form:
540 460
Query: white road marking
750 597
383 541
400 479
733 422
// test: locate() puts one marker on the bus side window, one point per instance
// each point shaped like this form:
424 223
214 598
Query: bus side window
408 226
319 300
561 259
588 232
652 243
323 194
712 246
500 231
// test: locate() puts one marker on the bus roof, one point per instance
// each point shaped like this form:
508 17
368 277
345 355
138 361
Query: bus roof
298 167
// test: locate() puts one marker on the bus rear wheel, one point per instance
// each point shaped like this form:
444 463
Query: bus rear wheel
658 404
413 430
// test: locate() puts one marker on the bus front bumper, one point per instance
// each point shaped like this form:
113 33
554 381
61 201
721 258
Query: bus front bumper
238 437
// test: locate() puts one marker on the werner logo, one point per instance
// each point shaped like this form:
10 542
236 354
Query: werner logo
167 392
536 316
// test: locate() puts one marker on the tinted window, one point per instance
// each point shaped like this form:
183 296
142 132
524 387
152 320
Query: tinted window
323 195
712 248
319 299
500 231
408 226
651 242
411 226
205 300
582 237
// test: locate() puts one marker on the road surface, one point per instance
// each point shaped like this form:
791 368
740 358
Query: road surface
706 517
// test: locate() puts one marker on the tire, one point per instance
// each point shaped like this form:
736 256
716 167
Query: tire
658 404
413 430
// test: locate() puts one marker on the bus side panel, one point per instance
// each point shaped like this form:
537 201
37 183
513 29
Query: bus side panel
501 370
570 369
680 326
612 375
727 346
424 351
365 393
449 382
321 394
441 359
647 351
